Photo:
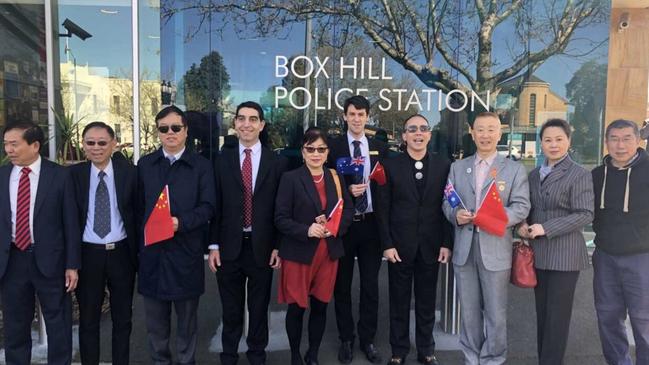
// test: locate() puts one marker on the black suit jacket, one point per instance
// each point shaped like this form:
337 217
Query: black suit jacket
339 147
57 241
296 207
174 269
408 222
227 224
125 184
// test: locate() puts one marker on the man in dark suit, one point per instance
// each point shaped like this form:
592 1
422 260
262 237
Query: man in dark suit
171 272
362 239
244 240
39 246
105 196
415 237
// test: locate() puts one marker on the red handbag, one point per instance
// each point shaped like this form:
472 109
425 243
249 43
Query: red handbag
523 273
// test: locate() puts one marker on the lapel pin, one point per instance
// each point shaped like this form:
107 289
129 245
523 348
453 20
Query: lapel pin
468 170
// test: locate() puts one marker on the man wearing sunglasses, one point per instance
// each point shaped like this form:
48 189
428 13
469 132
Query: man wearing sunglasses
105 196
171 272
361 240
244 245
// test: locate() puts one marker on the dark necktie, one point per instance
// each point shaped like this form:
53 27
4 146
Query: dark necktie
102 208
246 175
23 236
361 201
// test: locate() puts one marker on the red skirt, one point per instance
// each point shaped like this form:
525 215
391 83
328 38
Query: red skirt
298 281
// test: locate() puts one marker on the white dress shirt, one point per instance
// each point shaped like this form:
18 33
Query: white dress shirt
176 156
14 180
117 230
367 167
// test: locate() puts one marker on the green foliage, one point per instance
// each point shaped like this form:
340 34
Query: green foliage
69 148
207 84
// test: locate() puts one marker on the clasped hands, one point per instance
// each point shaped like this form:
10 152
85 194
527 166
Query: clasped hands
318 229
530 231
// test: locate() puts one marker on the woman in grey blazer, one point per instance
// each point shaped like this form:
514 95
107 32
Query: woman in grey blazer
561 193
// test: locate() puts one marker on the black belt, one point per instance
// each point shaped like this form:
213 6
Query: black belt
247 235
104 246
28 249
363 216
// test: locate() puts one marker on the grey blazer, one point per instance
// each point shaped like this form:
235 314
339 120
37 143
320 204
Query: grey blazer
511 177
563 204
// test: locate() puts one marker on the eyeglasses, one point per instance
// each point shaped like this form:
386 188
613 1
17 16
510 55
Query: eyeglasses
164 129
99 143
309 149
422 128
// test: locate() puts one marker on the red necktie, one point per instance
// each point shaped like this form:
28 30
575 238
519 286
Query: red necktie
23 236
246 174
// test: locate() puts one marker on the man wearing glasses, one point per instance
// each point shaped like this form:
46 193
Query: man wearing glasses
105 196
415 238
171 272
362 240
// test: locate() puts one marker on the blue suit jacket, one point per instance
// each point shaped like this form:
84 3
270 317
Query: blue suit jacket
57 236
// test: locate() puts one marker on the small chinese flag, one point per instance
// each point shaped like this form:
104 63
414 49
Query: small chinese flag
378 174
333 223
159 226
491 217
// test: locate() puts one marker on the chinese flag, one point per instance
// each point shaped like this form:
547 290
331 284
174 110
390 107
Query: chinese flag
159 226
378 174
491 217
333 223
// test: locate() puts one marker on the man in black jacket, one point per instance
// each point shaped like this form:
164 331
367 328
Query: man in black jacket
362 240
621 259
171 272
105 196
244 239
415 237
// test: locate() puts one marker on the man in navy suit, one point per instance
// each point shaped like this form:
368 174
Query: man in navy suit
39 246
171 272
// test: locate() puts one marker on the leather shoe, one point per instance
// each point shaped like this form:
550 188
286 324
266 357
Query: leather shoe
308 360
345 352
371 353
428 360
395 361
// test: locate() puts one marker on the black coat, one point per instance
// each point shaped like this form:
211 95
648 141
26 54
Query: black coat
174 269
57 238
408 222
125 184
227 225
296 207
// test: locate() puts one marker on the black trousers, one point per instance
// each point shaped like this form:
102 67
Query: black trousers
158 327
361 241
233 278
101 268
401 277
21 281
554 295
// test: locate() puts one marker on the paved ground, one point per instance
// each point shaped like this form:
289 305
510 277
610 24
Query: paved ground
583 347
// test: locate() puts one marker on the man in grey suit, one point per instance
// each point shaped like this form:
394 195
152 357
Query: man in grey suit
482 261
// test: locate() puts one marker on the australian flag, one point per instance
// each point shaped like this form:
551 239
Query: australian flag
350 165
451 195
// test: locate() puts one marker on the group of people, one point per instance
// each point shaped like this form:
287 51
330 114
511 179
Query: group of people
81 229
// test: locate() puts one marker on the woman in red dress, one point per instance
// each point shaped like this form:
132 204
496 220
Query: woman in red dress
309 251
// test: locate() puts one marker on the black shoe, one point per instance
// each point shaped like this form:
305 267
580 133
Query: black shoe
428 360
296 359
396 361
308 360
346 352
371 353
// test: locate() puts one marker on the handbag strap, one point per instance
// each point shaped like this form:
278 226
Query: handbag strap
337 182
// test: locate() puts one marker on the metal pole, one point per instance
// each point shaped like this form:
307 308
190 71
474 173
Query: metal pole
136 79
307 81
49 60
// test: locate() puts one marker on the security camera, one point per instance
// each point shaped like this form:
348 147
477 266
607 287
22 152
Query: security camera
625 20
73 28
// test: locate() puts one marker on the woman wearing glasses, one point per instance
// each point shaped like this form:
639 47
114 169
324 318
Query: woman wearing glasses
305 198
415 237
561 193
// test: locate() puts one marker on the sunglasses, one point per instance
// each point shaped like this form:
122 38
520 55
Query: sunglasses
413 128
99 143
164 129
309 149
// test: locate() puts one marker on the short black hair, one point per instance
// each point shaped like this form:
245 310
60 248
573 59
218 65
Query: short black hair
405 121
101 125
32 132
556 122
169 110
359 102
313 134
623 123
251 105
